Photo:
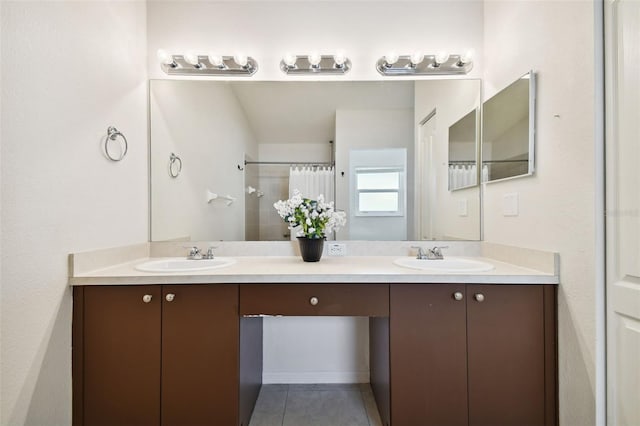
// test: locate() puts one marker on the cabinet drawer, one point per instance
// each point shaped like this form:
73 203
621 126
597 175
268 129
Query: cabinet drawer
315 299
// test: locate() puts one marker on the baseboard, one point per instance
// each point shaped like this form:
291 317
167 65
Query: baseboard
315 377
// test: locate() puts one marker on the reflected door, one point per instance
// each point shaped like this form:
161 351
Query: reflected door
427 176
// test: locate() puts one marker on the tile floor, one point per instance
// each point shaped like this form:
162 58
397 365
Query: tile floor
316 405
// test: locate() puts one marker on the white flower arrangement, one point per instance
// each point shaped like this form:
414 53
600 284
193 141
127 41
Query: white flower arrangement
315 218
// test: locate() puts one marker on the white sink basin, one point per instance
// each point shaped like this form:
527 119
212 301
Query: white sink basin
448 264
180 264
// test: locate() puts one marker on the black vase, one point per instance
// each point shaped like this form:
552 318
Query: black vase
311 248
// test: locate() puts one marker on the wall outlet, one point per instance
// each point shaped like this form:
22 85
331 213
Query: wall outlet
337 249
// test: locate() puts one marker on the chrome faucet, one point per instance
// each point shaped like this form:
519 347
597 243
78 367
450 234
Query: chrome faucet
194 253
421 253
209 254
434 253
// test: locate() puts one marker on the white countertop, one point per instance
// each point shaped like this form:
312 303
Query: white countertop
330 269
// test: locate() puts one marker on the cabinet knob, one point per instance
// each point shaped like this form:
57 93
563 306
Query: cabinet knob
147 298
314 301
169 297
479 297
458 295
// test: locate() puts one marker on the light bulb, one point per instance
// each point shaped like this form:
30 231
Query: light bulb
391 58
314 59
289 60
216 60
416 58
339 58
192 58
165 57
241 59
467 57
441 57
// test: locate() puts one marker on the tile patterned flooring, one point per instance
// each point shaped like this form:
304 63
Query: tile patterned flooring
316 405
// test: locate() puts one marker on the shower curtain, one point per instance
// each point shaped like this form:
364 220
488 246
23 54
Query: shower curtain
312 181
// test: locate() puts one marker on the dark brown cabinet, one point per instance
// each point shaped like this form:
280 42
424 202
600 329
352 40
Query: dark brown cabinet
156 355
440 354
472 355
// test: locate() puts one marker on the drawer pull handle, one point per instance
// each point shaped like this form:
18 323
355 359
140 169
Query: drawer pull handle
314 301
458 295
147 298
169 297
479 297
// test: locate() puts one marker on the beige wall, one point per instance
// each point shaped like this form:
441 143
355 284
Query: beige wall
70 70
557 203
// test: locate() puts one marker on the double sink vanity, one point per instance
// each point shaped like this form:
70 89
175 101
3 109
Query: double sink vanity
466 340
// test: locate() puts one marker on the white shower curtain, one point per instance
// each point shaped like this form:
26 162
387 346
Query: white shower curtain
312 181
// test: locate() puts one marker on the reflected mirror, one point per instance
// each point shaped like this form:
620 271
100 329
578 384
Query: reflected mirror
463 152
221 154
508 131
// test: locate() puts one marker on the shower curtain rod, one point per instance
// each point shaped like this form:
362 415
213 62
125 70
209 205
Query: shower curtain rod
290 163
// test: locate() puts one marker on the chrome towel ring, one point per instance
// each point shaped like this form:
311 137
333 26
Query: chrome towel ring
175 165
112 135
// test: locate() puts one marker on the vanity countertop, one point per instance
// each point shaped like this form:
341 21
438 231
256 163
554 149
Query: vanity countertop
330 269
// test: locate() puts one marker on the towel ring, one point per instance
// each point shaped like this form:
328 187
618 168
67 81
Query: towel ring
112 135
174 160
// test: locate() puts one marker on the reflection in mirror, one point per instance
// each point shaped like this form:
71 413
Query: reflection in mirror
463 152
358 143
508 131
443 214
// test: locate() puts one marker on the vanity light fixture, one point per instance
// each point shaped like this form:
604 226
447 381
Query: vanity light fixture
166 59
212 64
390 59
440 58
416 58
315 63
466 58
419 64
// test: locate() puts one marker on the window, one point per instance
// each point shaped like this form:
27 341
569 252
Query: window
379 191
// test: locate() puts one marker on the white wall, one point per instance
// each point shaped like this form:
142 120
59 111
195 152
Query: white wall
70 70
206 126
557 204
266 30
452 100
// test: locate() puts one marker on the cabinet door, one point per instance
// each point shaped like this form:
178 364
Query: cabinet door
200 343
121 355
428 355
506 355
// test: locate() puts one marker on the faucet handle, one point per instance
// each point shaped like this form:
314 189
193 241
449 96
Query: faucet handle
437 251
421 252
210 254
194 253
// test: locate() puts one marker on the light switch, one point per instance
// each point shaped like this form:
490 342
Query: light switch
510 204
462 208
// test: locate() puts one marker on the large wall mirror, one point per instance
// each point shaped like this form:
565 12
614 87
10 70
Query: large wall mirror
379 149
508 131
